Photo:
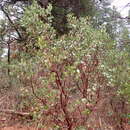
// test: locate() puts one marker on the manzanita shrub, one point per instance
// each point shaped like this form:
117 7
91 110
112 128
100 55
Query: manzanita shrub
65 76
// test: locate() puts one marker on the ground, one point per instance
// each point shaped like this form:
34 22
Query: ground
12 120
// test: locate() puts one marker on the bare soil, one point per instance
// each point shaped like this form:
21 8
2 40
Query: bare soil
99 118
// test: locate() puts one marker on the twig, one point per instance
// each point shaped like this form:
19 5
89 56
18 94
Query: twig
2 99
7 15
8 111
43 100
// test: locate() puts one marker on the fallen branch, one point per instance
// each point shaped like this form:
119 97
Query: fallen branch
2 100
15 112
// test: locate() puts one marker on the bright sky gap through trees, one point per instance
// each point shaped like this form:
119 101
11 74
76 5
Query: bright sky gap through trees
121 6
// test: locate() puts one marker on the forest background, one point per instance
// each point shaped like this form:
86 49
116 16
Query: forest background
64 64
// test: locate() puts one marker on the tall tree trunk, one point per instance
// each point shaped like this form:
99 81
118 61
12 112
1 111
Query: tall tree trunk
8 58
